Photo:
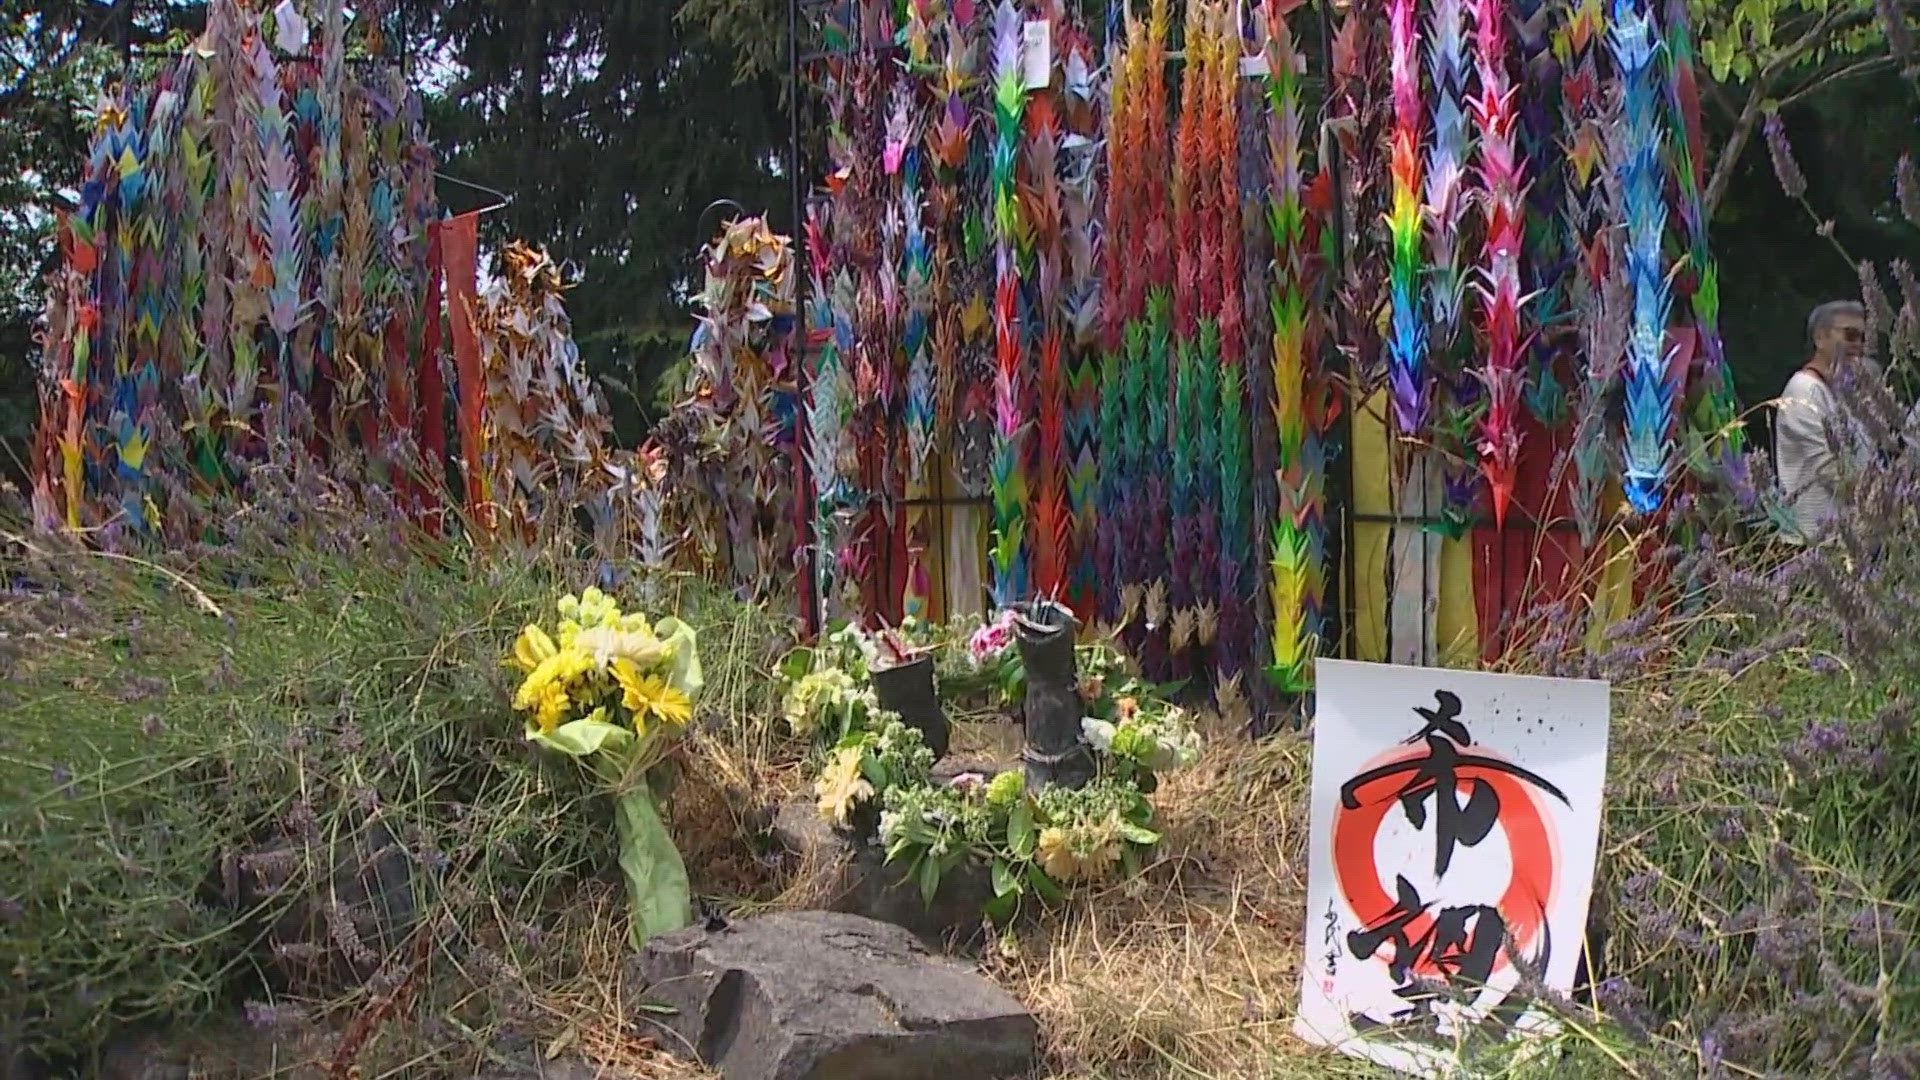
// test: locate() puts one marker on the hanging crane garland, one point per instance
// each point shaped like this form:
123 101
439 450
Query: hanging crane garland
1080 165
1238 575
1359 129
1447 196
1649 389
1407 335
207 274
1580 43
1190 372
922 406
1150 378
1499 173
1122 335
1010 420
1545 267
1295 546
1154 463
1718 430
1042 228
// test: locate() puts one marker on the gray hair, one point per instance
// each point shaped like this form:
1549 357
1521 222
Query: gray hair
1823 316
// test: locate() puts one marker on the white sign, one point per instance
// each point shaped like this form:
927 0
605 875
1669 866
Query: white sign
1036 53
1456 819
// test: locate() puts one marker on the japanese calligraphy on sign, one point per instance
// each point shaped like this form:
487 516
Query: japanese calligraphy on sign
1455 818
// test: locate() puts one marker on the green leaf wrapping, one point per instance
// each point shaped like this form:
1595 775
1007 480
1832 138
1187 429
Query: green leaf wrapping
658 896
583 738
684 673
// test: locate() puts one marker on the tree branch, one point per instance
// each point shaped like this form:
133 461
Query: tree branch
1765 76
1736 144
1851 71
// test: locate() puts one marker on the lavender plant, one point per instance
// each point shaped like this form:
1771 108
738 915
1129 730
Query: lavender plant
280 769
1766 854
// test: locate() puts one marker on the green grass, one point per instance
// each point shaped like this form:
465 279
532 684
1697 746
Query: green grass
166 724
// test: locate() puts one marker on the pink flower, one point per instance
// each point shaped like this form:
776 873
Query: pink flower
989 643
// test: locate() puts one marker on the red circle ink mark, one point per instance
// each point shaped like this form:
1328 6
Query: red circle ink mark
1530 842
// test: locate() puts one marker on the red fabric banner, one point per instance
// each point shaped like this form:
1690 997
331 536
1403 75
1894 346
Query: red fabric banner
460 259
433 392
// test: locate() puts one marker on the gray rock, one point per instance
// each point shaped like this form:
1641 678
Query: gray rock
859 881
817 995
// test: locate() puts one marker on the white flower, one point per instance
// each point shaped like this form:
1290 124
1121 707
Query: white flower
607 643
1099 733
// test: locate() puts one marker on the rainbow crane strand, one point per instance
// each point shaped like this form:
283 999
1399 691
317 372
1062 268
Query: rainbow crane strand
1407 338
1716 418
1216 150
1237 570
1293 547
1189 567
1009 556
1500 169
1649 386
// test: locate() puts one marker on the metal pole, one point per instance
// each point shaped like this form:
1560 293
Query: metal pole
803 480
1340 481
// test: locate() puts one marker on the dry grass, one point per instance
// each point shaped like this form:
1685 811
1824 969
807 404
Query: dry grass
1190 970
591 1020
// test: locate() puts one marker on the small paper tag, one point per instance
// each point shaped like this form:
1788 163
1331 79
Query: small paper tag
1036 53
1254 66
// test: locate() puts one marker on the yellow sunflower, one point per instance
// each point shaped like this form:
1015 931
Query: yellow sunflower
532 647
556 674
550 709
650 697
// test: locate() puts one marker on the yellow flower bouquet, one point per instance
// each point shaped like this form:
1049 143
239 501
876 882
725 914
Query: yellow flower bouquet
612 691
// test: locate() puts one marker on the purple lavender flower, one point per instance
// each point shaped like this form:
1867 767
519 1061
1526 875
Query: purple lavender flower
1907 183
1785 168
1713 1054
1827 737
